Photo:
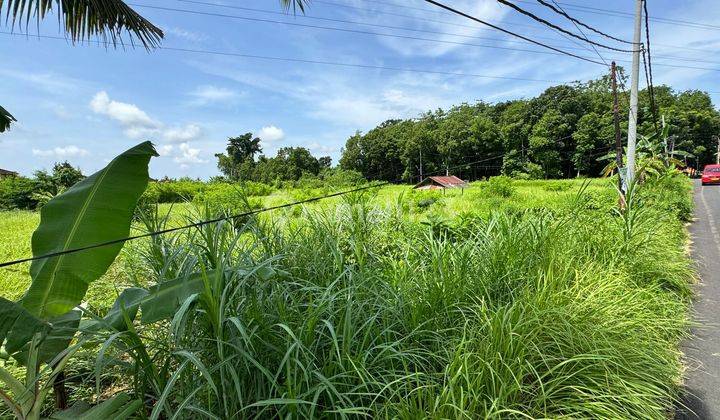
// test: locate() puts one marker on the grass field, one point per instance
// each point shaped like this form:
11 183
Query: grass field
531 299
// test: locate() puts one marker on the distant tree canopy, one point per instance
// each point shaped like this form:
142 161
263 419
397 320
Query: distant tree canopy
560 133
289 164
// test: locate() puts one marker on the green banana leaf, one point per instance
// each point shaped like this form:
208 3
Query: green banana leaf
18 326
95 210
127 304
165 298
59 333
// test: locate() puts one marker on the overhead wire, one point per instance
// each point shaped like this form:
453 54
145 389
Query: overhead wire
568 6
412 38
559 10
581 31
300 60
558 28
608 12
357 31
651 88
188 226
402 28
473 18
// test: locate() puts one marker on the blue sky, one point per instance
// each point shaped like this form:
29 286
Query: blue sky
85 103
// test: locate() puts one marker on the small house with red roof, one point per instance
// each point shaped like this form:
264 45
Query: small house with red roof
441 183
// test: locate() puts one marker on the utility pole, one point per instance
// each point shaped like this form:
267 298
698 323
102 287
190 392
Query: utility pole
634 80
717 154
421 168
616 120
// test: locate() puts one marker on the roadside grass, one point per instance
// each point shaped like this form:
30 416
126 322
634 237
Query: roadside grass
539 301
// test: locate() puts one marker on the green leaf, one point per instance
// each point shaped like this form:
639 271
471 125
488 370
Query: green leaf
60 332
127 303
5 119
118 407
165 298
95 210
18 326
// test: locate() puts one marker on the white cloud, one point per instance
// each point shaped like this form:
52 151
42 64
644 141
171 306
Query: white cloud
182 154
127 114
184 34
270 133
137 123
61 152
209 94
182 134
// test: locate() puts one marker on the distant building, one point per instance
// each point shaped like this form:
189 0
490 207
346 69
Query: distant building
441 183
7 174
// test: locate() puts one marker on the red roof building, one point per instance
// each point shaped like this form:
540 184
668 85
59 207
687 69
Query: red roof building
441 183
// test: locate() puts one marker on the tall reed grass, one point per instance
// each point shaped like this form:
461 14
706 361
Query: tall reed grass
355 311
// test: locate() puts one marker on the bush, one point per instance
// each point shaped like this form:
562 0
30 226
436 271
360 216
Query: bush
17 193
173 191
226 199
500 186
338 177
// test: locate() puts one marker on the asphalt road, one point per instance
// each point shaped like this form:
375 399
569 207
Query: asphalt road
702 352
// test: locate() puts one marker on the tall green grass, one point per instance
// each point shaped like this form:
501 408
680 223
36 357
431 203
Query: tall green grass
359 310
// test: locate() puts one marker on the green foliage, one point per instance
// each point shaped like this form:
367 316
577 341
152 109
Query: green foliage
353 310
17 192
95 210
5 119
500 186
561 132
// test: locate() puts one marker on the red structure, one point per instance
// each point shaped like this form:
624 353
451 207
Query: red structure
441 183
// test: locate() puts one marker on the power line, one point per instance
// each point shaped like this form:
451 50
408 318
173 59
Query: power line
608 12
354 22
403 36
301 60
558 28
357 31
651 89
443 6
559 10
188 226
581 31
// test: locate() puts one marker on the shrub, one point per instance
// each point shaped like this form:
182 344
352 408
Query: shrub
500 186
17 193
173 191
338 177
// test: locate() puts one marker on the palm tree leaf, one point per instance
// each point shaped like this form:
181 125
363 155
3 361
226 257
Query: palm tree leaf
295 4
5 117
83 19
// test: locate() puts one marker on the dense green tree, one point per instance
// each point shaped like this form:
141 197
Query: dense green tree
290 164
561 132
239 160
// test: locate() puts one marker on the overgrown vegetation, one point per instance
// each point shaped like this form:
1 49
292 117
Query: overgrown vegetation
514 299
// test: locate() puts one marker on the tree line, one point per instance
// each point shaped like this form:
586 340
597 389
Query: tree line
560 133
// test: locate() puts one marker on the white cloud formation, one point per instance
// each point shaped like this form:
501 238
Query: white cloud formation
209 94
182 154
61 152
182 134
127 114
184 34
270 133
138 123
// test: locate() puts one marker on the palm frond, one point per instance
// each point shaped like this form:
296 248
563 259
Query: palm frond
295 4
5 119
83 19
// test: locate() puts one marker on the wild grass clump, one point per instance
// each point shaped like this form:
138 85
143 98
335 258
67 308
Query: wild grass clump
355 310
